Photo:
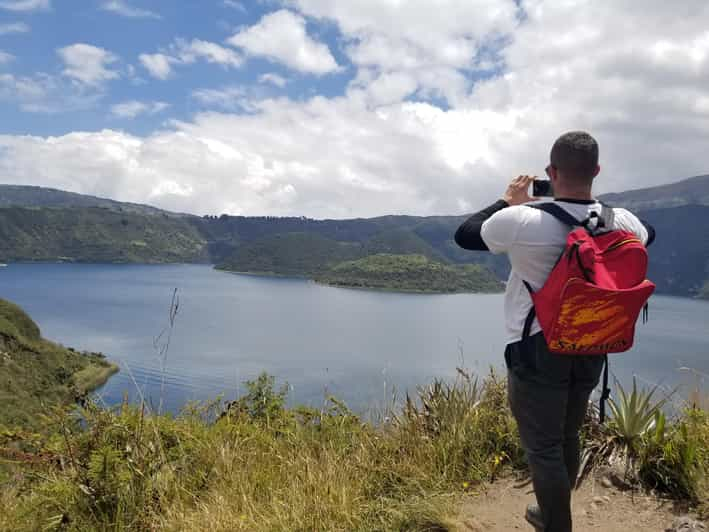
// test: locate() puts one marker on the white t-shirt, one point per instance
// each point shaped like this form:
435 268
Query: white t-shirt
533 240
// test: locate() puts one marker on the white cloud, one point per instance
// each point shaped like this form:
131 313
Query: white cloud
44 93
184 52
23 89
159 65
25 5
565 65
432 45
234 5
120 7
14 27
282 37
229 98
388 87
5 57
134 108
273 79
88 64
190 51
321 158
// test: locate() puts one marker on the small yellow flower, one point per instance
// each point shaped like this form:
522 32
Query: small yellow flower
466 485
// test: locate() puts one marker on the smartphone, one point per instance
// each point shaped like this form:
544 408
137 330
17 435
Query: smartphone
542 187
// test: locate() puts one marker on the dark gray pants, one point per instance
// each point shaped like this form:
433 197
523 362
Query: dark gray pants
548 396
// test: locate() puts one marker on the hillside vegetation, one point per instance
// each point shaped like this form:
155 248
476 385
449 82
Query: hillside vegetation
410 273
36 373
255 465
292 254
258 466
692 191
93 234
33 196
679 257
60 226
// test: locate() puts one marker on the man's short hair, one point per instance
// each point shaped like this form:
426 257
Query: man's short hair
576 154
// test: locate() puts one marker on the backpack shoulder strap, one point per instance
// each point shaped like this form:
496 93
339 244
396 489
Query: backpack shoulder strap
607 216
604 220
557 212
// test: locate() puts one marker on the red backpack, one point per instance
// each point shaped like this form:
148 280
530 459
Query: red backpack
593 296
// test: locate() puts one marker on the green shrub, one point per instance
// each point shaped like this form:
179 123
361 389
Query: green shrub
260 466
676 460
670 455
634 415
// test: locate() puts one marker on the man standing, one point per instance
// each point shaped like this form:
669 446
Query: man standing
548 392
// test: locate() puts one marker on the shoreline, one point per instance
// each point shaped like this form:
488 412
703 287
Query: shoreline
695 297
93 377
350 287
402 290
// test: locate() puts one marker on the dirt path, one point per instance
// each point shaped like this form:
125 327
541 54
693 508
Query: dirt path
500 508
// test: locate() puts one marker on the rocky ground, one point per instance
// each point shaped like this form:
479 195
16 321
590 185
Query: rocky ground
596 505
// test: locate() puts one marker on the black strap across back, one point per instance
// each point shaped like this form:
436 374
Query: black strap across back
604 223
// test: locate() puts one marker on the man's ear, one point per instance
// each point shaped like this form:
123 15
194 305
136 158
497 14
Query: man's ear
554 175
596 171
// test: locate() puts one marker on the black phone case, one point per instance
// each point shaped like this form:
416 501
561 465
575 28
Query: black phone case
541 187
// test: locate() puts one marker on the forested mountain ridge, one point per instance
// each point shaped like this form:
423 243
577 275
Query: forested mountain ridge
34 196
692 191
93 234
56 226
679 257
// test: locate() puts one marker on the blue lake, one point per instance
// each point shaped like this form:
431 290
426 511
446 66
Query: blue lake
360 346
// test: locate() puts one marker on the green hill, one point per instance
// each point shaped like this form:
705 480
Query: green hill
410 273
38 224
692 191
36 373
33 196
679 258
394 259
93 234
400 241
293 254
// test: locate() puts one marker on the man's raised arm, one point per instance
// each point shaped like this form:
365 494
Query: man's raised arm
468 234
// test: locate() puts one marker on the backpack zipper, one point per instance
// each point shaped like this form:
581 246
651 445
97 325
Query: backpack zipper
622 243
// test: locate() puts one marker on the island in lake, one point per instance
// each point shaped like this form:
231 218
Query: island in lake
410 273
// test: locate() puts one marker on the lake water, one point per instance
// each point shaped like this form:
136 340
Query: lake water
356 345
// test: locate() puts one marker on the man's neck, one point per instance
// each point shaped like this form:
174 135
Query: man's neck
582 195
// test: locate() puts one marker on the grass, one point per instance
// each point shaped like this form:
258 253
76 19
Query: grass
256 465
92 377
15 323
36 373
260 466
669 455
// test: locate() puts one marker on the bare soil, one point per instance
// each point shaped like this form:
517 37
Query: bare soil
500 506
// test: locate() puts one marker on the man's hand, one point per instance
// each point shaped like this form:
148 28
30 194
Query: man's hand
518 191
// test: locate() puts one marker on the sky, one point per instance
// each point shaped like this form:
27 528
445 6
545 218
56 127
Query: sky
343 108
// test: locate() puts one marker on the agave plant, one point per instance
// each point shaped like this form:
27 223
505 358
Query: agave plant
635 415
